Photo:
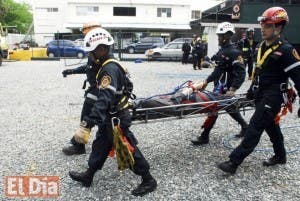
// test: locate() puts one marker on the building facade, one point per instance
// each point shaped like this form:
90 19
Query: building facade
243 14
68 16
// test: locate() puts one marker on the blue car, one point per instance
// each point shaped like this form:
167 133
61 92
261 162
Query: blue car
64 48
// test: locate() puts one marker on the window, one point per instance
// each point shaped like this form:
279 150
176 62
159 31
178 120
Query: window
164 12
172 46
52 10
196 14
146 40
87 10
68 43
124 11
49 10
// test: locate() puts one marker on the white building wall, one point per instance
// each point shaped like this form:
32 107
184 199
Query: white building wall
48 23
212 40
144 14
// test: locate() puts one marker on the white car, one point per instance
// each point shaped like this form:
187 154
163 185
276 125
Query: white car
172 50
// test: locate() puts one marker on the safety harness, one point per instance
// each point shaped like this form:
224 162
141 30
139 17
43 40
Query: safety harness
287 90
289 97
261 59
126 92
121 146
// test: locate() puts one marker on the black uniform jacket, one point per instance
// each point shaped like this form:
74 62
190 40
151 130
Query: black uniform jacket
281 63
90 69
229 60
111 81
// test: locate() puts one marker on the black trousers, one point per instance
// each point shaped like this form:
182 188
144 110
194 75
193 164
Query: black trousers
267 107
197 59
104 143
185 57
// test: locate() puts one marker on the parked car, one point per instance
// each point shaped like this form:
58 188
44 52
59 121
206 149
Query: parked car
172 50
79 42
64 48
182 40
145 44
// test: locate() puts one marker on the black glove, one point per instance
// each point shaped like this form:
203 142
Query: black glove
67 72
177 98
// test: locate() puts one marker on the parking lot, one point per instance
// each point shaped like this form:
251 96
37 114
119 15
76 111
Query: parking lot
40 111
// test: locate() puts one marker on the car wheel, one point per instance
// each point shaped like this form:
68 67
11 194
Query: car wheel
80 55
131 50
156 54
51 55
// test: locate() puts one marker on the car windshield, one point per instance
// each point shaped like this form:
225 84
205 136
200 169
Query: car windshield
68 43
150 40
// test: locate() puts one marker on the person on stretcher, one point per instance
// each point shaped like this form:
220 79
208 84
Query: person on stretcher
228 76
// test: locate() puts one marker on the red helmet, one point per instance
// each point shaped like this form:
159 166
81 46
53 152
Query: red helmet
274 15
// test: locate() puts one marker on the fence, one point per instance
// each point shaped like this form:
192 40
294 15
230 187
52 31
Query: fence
127 46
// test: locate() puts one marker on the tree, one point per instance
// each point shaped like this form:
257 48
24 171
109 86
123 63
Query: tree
15 14
3 10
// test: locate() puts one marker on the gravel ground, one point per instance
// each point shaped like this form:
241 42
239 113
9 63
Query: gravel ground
40 111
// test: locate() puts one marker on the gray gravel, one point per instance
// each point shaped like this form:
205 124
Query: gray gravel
40 111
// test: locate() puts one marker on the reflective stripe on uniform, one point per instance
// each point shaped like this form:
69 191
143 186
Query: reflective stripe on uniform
294 65
236 61
92 96
112 88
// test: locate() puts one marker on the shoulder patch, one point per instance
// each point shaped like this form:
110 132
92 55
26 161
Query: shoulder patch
295 54
105 81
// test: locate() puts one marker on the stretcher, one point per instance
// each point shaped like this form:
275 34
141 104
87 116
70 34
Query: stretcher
165 107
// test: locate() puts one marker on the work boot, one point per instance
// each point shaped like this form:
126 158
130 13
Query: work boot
200 140
86 178
242 132
147 186
74 150
274 160
228 167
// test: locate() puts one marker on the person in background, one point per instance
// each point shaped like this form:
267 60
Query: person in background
247 46
198 53
186 49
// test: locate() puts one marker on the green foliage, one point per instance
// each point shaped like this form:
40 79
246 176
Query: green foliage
15 14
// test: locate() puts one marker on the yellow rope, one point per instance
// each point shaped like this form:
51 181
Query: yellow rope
123 150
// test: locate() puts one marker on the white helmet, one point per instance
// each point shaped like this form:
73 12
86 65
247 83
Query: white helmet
96 37
225 27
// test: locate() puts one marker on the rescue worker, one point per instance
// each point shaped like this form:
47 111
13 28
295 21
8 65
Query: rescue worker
277 61
90 69
247 45
186 49
114 90
228 76
197 53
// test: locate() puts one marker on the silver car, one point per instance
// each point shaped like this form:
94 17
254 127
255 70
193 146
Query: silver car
172 50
